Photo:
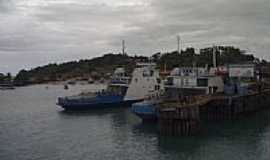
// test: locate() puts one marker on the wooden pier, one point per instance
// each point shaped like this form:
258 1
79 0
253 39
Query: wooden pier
181 118
178 119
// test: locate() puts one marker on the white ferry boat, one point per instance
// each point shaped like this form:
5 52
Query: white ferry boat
181 84
121 91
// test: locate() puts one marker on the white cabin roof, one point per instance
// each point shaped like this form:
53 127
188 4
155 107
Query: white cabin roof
119 70
145 64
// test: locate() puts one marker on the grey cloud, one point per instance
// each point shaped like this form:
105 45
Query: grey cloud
55 31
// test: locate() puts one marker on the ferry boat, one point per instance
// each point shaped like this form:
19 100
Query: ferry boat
121 91
182 84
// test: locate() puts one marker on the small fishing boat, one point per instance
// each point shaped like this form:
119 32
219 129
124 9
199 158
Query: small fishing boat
6 87
147 110
71 82
90 81
65 86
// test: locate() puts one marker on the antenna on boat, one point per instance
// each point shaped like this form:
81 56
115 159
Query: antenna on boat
178 43
123 47
214 56
194 64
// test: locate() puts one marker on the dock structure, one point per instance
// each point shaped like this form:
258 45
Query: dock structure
177 119
181 118
231 107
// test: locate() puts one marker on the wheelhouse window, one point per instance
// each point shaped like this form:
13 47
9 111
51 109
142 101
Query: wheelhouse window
169 81
202 82
148 73
117 90
157 87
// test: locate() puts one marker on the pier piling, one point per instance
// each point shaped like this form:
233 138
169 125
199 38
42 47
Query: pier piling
179 121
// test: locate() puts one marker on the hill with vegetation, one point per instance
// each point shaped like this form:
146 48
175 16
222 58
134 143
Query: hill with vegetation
96 68
5 78
188 57
102 67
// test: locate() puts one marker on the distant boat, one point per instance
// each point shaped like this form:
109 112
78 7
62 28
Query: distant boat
90 81
66 86
102 81
121 91
7 87
71 82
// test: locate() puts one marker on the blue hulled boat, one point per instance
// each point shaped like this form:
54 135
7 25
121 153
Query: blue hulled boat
100 100
121 91
146 110
112 96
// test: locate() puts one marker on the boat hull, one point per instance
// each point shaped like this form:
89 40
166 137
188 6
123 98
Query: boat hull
102 105
146 111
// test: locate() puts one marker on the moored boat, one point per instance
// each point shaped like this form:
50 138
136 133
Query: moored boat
6 86
181 86
121 91
147 110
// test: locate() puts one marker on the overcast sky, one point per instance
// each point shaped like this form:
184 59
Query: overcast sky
38 32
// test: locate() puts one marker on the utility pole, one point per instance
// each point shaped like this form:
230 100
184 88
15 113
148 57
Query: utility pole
123 47
178 44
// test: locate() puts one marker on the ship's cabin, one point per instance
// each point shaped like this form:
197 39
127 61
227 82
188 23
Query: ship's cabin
120 77
117 89
190 82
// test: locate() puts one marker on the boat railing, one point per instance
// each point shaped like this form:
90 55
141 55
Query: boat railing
120 80
154 97
108 93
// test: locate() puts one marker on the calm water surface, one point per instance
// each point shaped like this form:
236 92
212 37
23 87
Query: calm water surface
32 127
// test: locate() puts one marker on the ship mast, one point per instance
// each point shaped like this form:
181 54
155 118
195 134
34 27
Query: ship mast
178 44
123 47
214 56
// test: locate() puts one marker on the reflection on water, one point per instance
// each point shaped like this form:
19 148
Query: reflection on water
33 127
95 111
147 129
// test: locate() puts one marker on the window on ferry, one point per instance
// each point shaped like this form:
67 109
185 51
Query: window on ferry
202 82
169 81
186 82
151 73
158 80
147 73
